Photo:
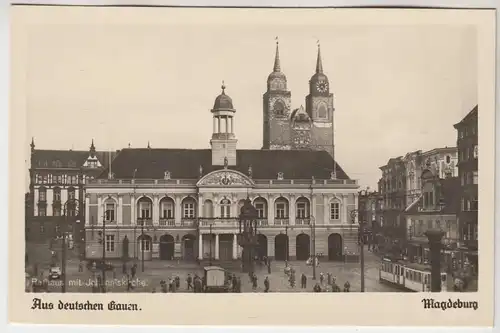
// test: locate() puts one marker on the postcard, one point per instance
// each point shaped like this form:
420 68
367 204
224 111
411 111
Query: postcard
221 166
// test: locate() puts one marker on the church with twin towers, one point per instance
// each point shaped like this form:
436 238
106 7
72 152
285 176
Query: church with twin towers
184 204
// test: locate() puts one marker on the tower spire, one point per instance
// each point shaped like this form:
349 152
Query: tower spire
277 65
92 149
32 145
319 64
223 87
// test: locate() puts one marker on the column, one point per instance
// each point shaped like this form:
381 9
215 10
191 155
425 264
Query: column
326 209
119 210
87 210
232 125
219 122
313 209
435 246
133 207
156 210
226 125
345 218
99 210
200 206
200 246
291 210
216 247
177 210
270 209
215 125
235 247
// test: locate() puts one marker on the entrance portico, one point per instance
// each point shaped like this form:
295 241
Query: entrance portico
221 246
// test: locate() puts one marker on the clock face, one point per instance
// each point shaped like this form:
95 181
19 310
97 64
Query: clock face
322 86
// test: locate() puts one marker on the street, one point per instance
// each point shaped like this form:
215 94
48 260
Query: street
155 271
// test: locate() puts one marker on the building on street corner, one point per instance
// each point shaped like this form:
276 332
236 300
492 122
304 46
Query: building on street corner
467 212
184 203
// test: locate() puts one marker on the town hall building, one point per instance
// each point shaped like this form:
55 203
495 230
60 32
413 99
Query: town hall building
184 203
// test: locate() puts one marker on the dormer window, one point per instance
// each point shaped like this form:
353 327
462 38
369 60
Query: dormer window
56 164
166 175
92 164
280 175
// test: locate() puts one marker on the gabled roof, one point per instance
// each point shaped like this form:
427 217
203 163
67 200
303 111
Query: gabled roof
470 116
449 193
42 158
185 164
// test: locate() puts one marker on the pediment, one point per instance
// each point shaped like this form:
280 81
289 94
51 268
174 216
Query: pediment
225 178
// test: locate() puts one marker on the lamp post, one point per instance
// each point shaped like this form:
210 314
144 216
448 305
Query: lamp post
354 214
76 210
248 235
287 250
313 233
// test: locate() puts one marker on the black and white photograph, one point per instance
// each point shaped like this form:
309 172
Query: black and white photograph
190 151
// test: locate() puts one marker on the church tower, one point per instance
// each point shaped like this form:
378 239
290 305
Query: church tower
223 139
319 107
277 109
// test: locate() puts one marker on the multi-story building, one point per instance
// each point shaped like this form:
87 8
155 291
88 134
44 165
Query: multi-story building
392 188
442 162
467 143
185 203
56 176
370 214
435 209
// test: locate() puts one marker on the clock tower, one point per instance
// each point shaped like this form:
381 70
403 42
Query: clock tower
277 109
319 107
223 140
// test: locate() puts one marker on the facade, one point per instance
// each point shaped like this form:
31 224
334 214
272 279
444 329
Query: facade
435 209
370 214
467 143
302 128
55 177
184 203
393 191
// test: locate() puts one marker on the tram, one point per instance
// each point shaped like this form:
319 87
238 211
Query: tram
409 276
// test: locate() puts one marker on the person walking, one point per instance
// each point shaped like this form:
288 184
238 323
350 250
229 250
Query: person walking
303 281
347 287
329 278
321 278
266 284
189 281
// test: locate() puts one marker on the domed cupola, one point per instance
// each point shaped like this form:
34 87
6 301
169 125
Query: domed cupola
223 102
276 81
318 84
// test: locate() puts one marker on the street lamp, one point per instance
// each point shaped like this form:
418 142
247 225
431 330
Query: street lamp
248 235
76 212
354 214
313 233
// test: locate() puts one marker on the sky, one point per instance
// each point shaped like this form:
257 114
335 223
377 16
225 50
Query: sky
396 88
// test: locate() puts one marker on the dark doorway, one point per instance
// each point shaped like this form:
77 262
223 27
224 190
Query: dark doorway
167 245
303 248
225 247
335 247
280 247
262 249
189 247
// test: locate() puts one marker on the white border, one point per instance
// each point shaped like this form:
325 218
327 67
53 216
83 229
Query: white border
4 96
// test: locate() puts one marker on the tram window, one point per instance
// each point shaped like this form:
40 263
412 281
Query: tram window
419 277
426 278
397 270
402 271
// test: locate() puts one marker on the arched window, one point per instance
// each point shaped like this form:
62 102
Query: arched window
322 111
208 209
167 208
281 208
279 108
261 205
302 208
225 208
144 210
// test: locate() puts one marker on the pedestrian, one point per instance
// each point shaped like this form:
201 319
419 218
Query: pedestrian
114 272
133 270
238 288
177 282
254 282
329 278
80 267
347 286
234 282
321 278
303 281
189 281
266 284
268 266
317 288
292 280
265 260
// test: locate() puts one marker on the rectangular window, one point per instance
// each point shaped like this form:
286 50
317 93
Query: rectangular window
280 211
334 211
42 211
188 210
56 211
260 210
168 210
431 199
110 243
474 203
145 209
474 177
301 210
110 212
